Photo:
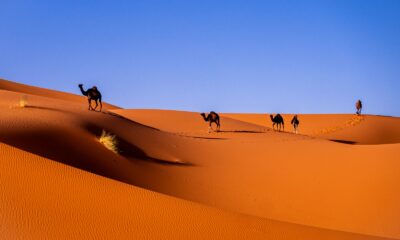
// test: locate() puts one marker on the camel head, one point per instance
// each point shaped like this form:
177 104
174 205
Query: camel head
82 90
272 117
204 116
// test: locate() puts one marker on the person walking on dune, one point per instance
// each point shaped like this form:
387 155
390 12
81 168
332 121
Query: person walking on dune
358 107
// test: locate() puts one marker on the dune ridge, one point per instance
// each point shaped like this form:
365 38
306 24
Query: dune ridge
38 91
364 129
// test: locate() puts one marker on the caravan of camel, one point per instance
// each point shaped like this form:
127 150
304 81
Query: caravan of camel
212 117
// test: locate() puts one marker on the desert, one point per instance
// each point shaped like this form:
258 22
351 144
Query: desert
171 178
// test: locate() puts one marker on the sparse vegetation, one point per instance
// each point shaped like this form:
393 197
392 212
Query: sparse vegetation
109 141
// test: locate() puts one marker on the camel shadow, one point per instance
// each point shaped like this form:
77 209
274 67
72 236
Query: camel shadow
207 138
240 131
343 141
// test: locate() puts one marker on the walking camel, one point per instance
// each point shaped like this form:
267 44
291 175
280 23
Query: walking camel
92 94
295 122
278 120
212 117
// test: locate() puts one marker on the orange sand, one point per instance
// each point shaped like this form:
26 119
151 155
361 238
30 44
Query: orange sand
246 181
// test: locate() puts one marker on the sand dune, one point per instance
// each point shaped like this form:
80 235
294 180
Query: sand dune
364 129
31 90
250 173
187 123
253 181
42 199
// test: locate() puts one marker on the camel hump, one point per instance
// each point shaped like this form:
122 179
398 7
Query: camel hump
214 114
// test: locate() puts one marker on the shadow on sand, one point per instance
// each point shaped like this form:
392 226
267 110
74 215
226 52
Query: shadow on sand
47 108
129 120
343 141
132 152
240 131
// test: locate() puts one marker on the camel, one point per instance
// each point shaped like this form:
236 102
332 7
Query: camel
358 107
295 122
278 120
211 117
92 94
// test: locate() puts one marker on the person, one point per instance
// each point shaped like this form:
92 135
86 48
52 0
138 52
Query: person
358 107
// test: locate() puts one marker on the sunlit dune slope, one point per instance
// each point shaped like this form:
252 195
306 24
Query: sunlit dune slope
367 129
274 175
26 89
347 128
186 123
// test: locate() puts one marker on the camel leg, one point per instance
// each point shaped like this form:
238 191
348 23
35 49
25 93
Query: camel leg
209 128
90 104
96 105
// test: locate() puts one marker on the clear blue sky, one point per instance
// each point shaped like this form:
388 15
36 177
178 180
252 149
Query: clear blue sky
228 56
